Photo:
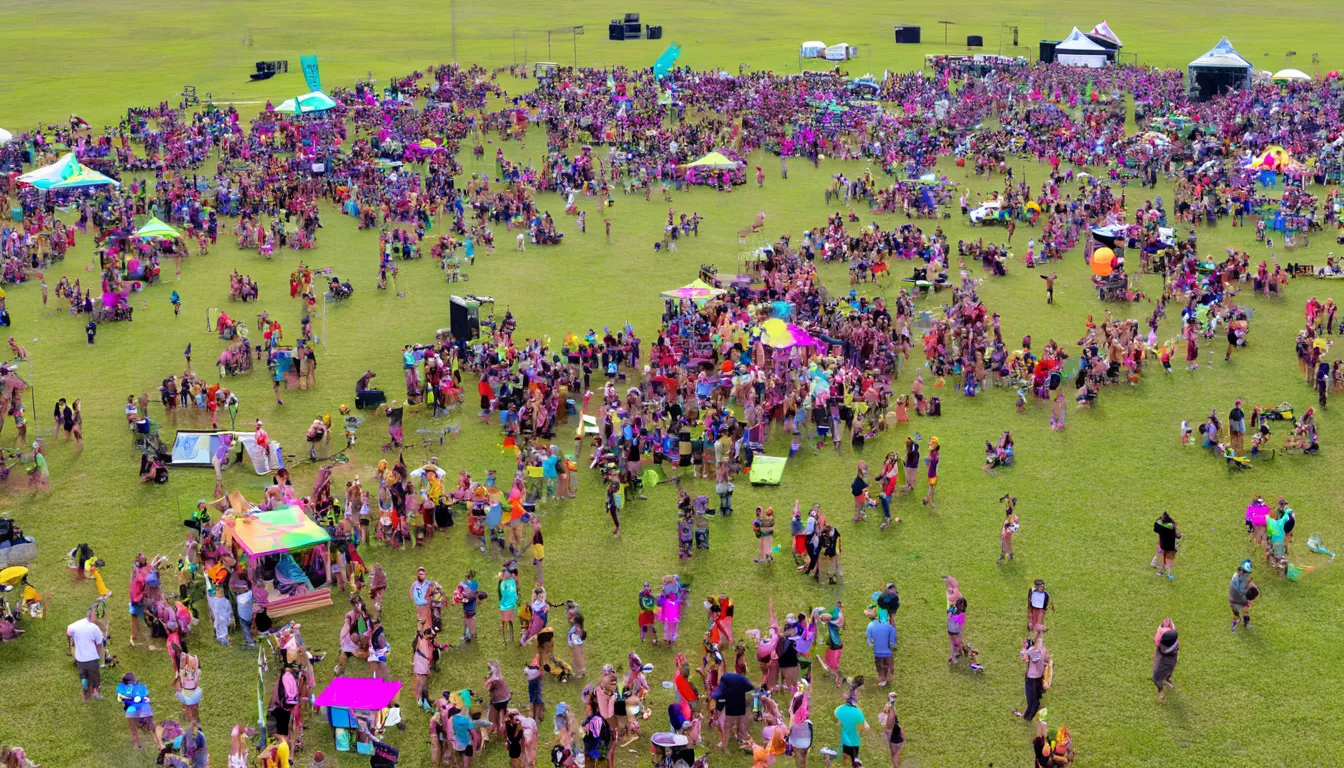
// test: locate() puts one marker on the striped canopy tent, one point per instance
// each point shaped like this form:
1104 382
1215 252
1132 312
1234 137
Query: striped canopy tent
66 173
316 101
158 230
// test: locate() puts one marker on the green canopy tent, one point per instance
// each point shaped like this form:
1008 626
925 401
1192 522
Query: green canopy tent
158 230
308 103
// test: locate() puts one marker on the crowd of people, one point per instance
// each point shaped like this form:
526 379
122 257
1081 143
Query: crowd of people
769 352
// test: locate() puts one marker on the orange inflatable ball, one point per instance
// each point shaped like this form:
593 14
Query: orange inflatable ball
1103 262
961 162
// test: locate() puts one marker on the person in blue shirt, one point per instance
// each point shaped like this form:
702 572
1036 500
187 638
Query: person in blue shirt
550 471
462 727
882 638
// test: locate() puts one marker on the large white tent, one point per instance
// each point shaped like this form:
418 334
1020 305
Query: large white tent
1077 50
812 49
1219 70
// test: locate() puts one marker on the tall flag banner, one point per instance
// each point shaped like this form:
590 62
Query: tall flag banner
310 74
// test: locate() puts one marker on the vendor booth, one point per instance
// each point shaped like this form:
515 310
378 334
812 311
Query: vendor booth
287 558
359 709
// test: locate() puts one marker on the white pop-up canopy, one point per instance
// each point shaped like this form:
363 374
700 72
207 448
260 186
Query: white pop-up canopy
1077 50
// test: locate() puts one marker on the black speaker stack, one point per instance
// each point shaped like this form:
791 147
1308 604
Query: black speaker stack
907 35
629 28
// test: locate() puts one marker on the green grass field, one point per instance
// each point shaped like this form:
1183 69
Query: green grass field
1088 495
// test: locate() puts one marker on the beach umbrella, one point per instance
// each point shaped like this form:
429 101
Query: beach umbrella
158 230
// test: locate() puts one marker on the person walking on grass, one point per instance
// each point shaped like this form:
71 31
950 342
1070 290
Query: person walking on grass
1167 534
1165 657
86 647
851 719
1009 528
1241 593
881 636
932 461
1037 657
892 724
1038 600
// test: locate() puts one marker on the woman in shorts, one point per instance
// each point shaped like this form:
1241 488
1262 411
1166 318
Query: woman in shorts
895 736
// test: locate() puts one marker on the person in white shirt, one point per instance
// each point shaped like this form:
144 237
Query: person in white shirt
86 645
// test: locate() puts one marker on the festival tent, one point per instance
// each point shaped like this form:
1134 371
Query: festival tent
715 161
1077 50
287 558
158 230
1220 70
697 290
281 530
315 101
1290 75
66 173
5 137
1102 32
812 49
359 709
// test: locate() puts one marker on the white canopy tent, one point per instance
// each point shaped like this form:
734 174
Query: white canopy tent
812 49
1290 75
1077 50
5 137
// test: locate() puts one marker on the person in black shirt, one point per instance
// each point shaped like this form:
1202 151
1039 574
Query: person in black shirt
1165 528
786 651
1236 426
732 691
